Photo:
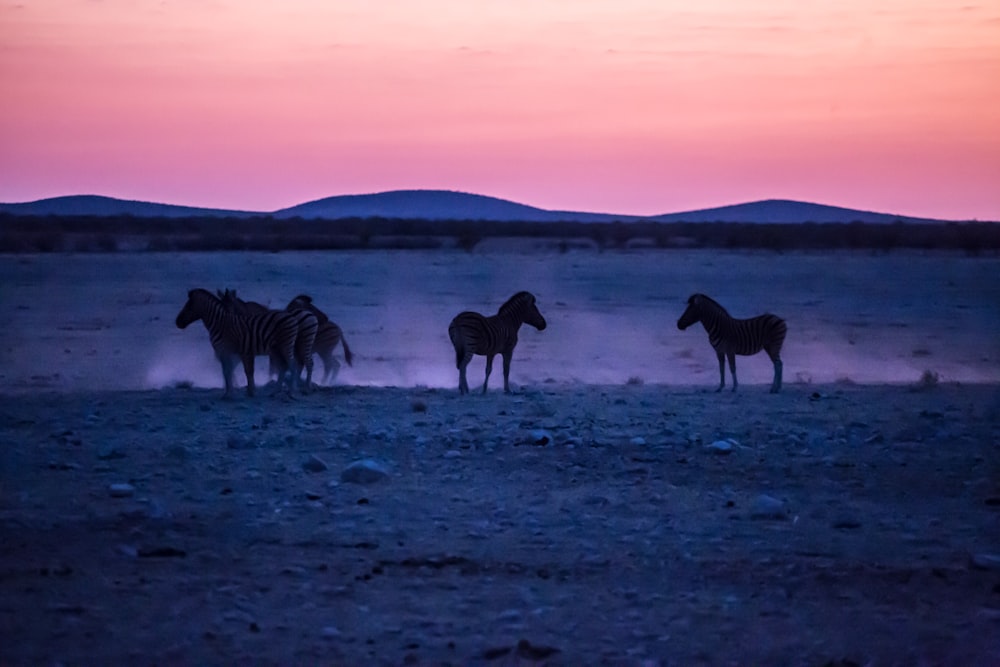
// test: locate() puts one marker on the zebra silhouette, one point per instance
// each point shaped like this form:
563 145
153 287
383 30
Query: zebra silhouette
327 337
237 337
730 336
472 333
307 325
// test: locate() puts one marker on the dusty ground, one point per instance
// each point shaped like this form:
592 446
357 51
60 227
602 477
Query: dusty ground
568 524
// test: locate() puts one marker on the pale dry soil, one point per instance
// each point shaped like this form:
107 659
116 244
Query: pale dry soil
565 524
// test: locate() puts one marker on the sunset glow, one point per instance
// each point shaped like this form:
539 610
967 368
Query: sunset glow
632 106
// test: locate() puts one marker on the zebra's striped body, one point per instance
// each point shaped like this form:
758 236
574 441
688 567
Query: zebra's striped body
472 333
306 325
730 336
240 337
327 337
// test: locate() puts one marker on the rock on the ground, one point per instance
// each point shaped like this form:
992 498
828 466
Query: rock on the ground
121 490
767 507
365 471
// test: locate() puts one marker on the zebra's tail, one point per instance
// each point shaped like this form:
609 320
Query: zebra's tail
348 356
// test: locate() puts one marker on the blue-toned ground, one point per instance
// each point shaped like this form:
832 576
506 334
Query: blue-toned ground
589 524
613 510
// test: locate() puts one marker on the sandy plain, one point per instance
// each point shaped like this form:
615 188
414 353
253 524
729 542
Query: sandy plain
613 510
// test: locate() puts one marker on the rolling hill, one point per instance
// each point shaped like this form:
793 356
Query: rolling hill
450 205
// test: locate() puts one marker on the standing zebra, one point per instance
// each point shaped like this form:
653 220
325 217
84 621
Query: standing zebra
472 333
327 337
239 337
730 336
306 324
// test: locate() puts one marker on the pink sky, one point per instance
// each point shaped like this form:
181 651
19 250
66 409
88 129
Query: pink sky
627 106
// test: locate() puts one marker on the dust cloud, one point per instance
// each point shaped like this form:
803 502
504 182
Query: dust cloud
93 322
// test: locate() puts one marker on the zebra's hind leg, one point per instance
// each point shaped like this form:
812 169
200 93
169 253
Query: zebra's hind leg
732 369
227 374
722 370
331 367
307 387
778 366
489 369
463 384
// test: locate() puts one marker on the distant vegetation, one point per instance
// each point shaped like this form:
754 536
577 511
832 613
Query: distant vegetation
142 234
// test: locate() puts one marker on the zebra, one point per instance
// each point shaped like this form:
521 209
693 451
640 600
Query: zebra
307 325
730 336
240 337
327 337
472 333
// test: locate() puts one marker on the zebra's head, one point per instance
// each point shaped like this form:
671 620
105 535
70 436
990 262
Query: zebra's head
194 308
522 305
692 313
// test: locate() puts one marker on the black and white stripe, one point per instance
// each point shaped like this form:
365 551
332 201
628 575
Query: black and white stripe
472 333
239 337
307 325
328 336
730 336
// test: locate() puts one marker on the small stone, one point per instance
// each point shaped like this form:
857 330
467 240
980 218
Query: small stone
128 550
720 447
767 507
540 437
452 454
365 471
121 490
108 452
637 440
315 464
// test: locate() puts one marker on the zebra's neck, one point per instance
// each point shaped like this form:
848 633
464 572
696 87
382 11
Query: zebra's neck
714 320
217 320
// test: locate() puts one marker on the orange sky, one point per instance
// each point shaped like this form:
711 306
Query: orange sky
631 106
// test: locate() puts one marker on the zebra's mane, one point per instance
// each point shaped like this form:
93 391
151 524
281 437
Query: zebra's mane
709 302
515 301
203 294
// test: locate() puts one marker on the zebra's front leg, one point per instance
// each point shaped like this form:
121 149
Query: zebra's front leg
506 371
489 369
248 369
732 368
227 374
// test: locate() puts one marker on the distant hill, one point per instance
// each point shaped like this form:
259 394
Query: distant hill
784 211
450 205
435 205
109 206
